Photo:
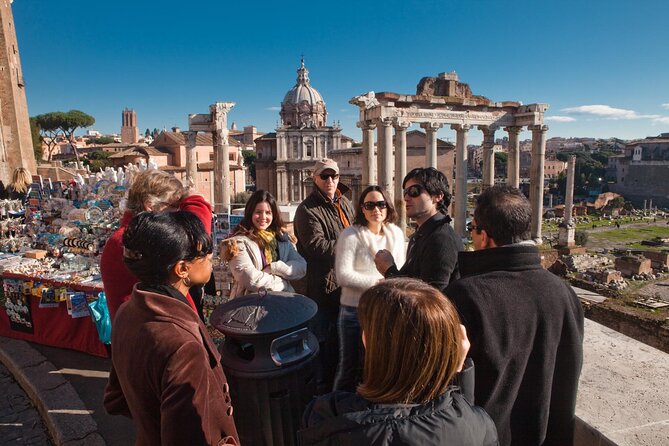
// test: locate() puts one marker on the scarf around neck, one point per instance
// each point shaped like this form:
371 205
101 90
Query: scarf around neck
270 246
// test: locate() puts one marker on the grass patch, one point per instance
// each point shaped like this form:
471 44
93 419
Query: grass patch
631 234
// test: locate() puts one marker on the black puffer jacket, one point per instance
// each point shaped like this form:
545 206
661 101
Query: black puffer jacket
343 418
317 226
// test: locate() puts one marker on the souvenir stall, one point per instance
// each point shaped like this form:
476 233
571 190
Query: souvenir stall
49 256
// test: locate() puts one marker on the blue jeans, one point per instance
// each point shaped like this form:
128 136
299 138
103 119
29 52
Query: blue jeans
349 370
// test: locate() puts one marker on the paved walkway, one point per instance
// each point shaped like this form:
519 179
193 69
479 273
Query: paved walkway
20 422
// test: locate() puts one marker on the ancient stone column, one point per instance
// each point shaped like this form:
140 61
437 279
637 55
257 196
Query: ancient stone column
191 160
291 186
368 153
488 155
460 186
400 170
513 164
567 228
385 148
537 178
569 198
431 143
219 114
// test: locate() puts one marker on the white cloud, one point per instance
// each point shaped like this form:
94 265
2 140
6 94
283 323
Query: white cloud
666 105
661 120
604 111
560 118
275 108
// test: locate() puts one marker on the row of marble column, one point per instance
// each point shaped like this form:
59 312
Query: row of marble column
390 163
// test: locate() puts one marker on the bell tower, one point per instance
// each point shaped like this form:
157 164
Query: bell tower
129 130
16 147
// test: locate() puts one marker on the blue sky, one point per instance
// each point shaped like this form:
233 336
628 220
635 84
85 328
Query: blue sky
602 65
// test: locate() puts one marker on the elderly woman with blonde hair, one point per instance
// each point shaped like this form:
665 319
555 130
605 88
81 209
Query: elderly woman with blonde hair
150 190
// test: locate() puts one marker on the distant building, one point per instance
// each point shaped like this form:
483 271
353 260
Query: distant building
285 158
129 130
643 172
173 144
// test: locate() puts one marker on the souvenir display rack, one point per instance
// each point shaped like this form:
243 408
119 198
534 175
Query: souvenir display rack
49 260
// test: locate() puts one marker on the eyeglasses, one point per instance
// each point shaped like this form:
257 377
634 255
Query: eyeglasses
472 227
325 176
414 190
370 205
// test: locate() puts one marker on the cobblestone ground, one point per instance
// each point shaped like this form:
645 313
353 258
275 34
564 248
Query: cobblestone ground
20 423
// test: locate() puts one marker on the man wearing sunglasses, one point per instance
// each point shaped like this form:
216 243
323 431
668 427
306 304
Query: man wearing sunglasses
318 221
433 249
525 325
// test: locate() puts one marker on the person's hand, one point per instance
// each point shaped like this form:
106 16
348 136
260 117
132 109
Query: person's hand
383 260
465 344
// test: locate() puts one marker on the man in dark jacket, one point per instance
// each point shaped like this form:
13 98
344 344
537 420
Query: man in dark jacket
525 326
318 221
433 249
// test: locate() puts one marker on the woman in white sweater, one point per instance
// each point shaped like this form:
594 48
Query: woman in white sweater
373 229
260 253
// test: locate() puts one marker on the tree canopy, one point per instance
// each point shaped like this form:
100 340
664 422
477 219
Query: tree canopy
52 123
37 141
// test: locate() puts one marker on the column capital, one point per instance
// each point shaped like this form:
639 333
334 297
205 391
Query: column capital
513 129
461 127
538 128
487 128
366 125
191 137
386 122
401 124
431 126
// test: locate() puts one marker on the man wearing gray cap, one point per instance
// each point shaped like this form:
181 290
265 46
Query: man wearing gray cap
318 221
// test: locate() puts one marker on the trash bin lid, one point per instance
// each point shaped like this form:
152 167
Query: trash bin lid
263 313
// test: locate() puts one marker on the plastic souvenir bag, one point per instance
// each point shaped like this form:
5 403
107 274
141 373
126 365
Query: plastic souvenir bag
100 315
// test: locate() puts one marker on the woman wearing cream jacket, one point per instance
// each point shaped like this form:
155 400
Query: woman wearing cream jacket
372 230
260 254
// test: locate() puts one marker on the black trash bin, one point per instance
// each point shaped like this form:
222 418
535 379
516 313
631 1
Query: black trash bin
268 357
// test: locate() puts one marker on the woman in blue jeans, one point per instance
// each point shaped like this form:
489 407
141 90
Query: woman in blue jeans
372 230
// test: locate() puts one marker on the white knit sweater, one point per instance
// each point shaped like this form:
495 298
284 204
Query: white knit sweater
354 258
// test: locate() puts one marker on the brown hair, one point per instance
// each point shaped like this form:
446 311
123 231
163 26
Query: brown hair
412 342
155 187
391 216
246 227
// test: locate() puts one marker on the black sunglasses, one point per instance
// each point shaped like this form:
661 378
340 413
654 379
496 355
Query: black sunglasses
472 227
325 176
414 190
370 205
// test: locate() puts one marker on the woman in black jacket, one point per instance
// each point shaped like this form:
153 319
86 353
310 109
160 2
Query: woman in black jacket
414 347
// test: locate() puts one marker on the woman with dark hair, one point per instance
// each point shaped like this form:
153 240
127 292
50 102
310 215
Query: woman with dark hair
260 253
414 347
373 229
166 373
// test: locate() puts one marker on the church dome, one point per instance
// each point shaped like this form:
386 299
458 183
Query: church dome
303 105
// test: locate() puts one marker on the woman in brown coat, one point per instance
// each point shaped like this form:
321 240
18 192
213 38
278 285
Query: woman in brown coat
166 373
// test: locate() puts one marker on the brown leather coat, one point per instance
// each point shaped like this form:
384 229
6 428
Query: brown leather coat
166 375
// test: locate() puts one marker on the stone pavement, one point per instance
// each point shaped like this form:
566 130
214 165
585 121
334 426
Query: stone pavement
65 416
20 423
